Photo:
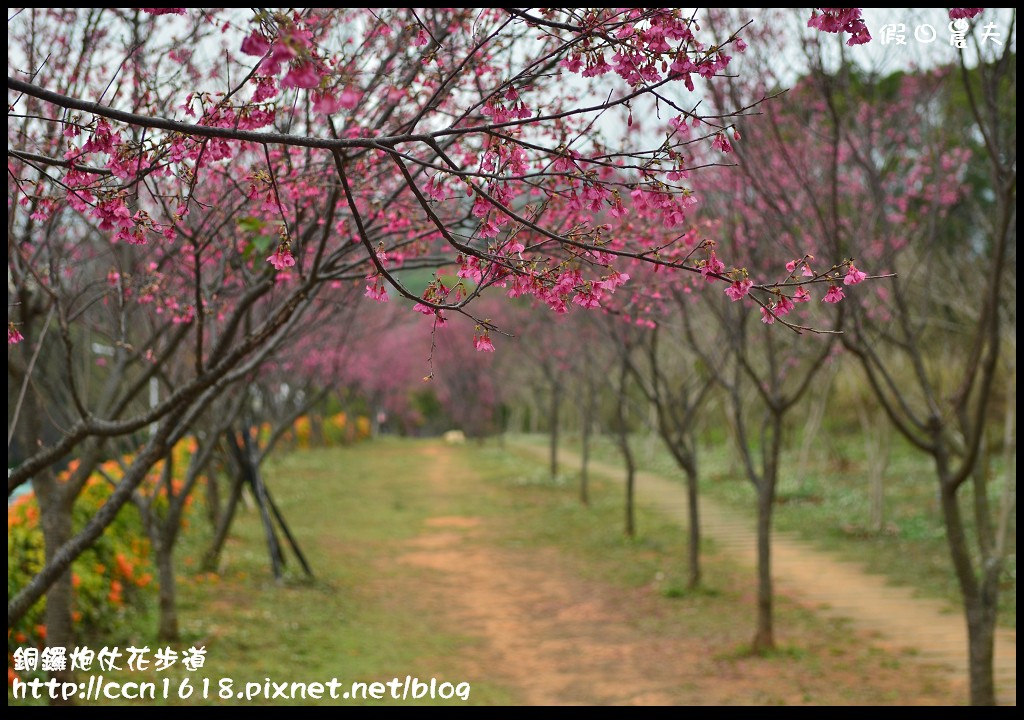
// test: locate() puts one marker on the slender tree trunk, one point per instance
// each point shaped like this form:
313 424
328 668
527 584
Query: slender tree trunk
164 554
876 444
693 510
876 481
812 426
979 608
981 633
878 462
764 638
273 545
588 417
653 439
212 557
213 508
316 430
556 404
55 518
622 435
630 491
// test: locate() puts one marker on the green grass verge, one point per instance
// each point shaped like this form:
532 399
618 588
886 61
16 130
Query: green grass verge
827 504
363 618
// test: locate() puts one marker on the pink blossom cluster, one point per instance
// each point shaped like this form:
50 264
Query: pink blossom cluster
841 20
964 13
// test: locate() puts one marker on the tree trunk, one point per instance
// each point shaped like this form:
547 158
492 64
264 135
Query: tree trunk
814 420
981 631
212 557
316 430
630 492
168 628
693 510
876 471
876 444
55 517
588 413
622 436
213 508
764 639
556 402
979 607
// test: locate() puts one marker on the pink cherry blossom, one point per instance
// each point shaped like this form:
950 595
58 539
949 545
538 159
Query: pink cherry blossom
834 294
301 75
964 13
13 334
255 44
282 258
840 20
711 267
738 289
376 290
483 343
349 98
801 295
326 104
783 306
854 276
766 316
721 143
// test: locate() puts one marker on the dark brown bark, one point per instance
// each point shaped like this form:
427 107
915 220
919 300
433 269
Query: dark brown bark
622 439
588 420
764 637
213 508
553 420
212 557
168 624
693 514
980 602
55 518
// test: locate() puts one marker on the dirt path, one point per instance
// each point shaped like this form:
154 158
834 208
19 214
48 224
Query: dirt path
553 637
893 616
533 622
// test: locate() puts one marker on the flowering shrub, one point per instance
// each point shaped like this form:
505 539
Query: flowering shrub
111 577
108 579
303 429
335 430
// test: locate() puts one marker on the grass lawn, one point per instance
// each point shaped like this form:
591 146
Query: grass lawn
369 616
827 504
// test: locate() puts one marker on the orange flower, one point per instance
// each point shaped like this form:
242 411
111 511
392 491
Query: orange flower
19 637
41 631
124 566
76 581
115 596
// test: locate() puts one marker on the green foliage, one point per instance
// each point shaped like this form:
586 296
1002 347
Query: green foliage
109 579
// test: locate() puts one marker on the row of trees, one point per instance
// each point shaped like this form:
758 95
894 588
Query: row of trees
199 200
912 174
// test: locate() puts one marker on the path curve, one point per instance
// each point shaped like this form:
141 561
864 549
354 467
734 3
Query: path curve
892 615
